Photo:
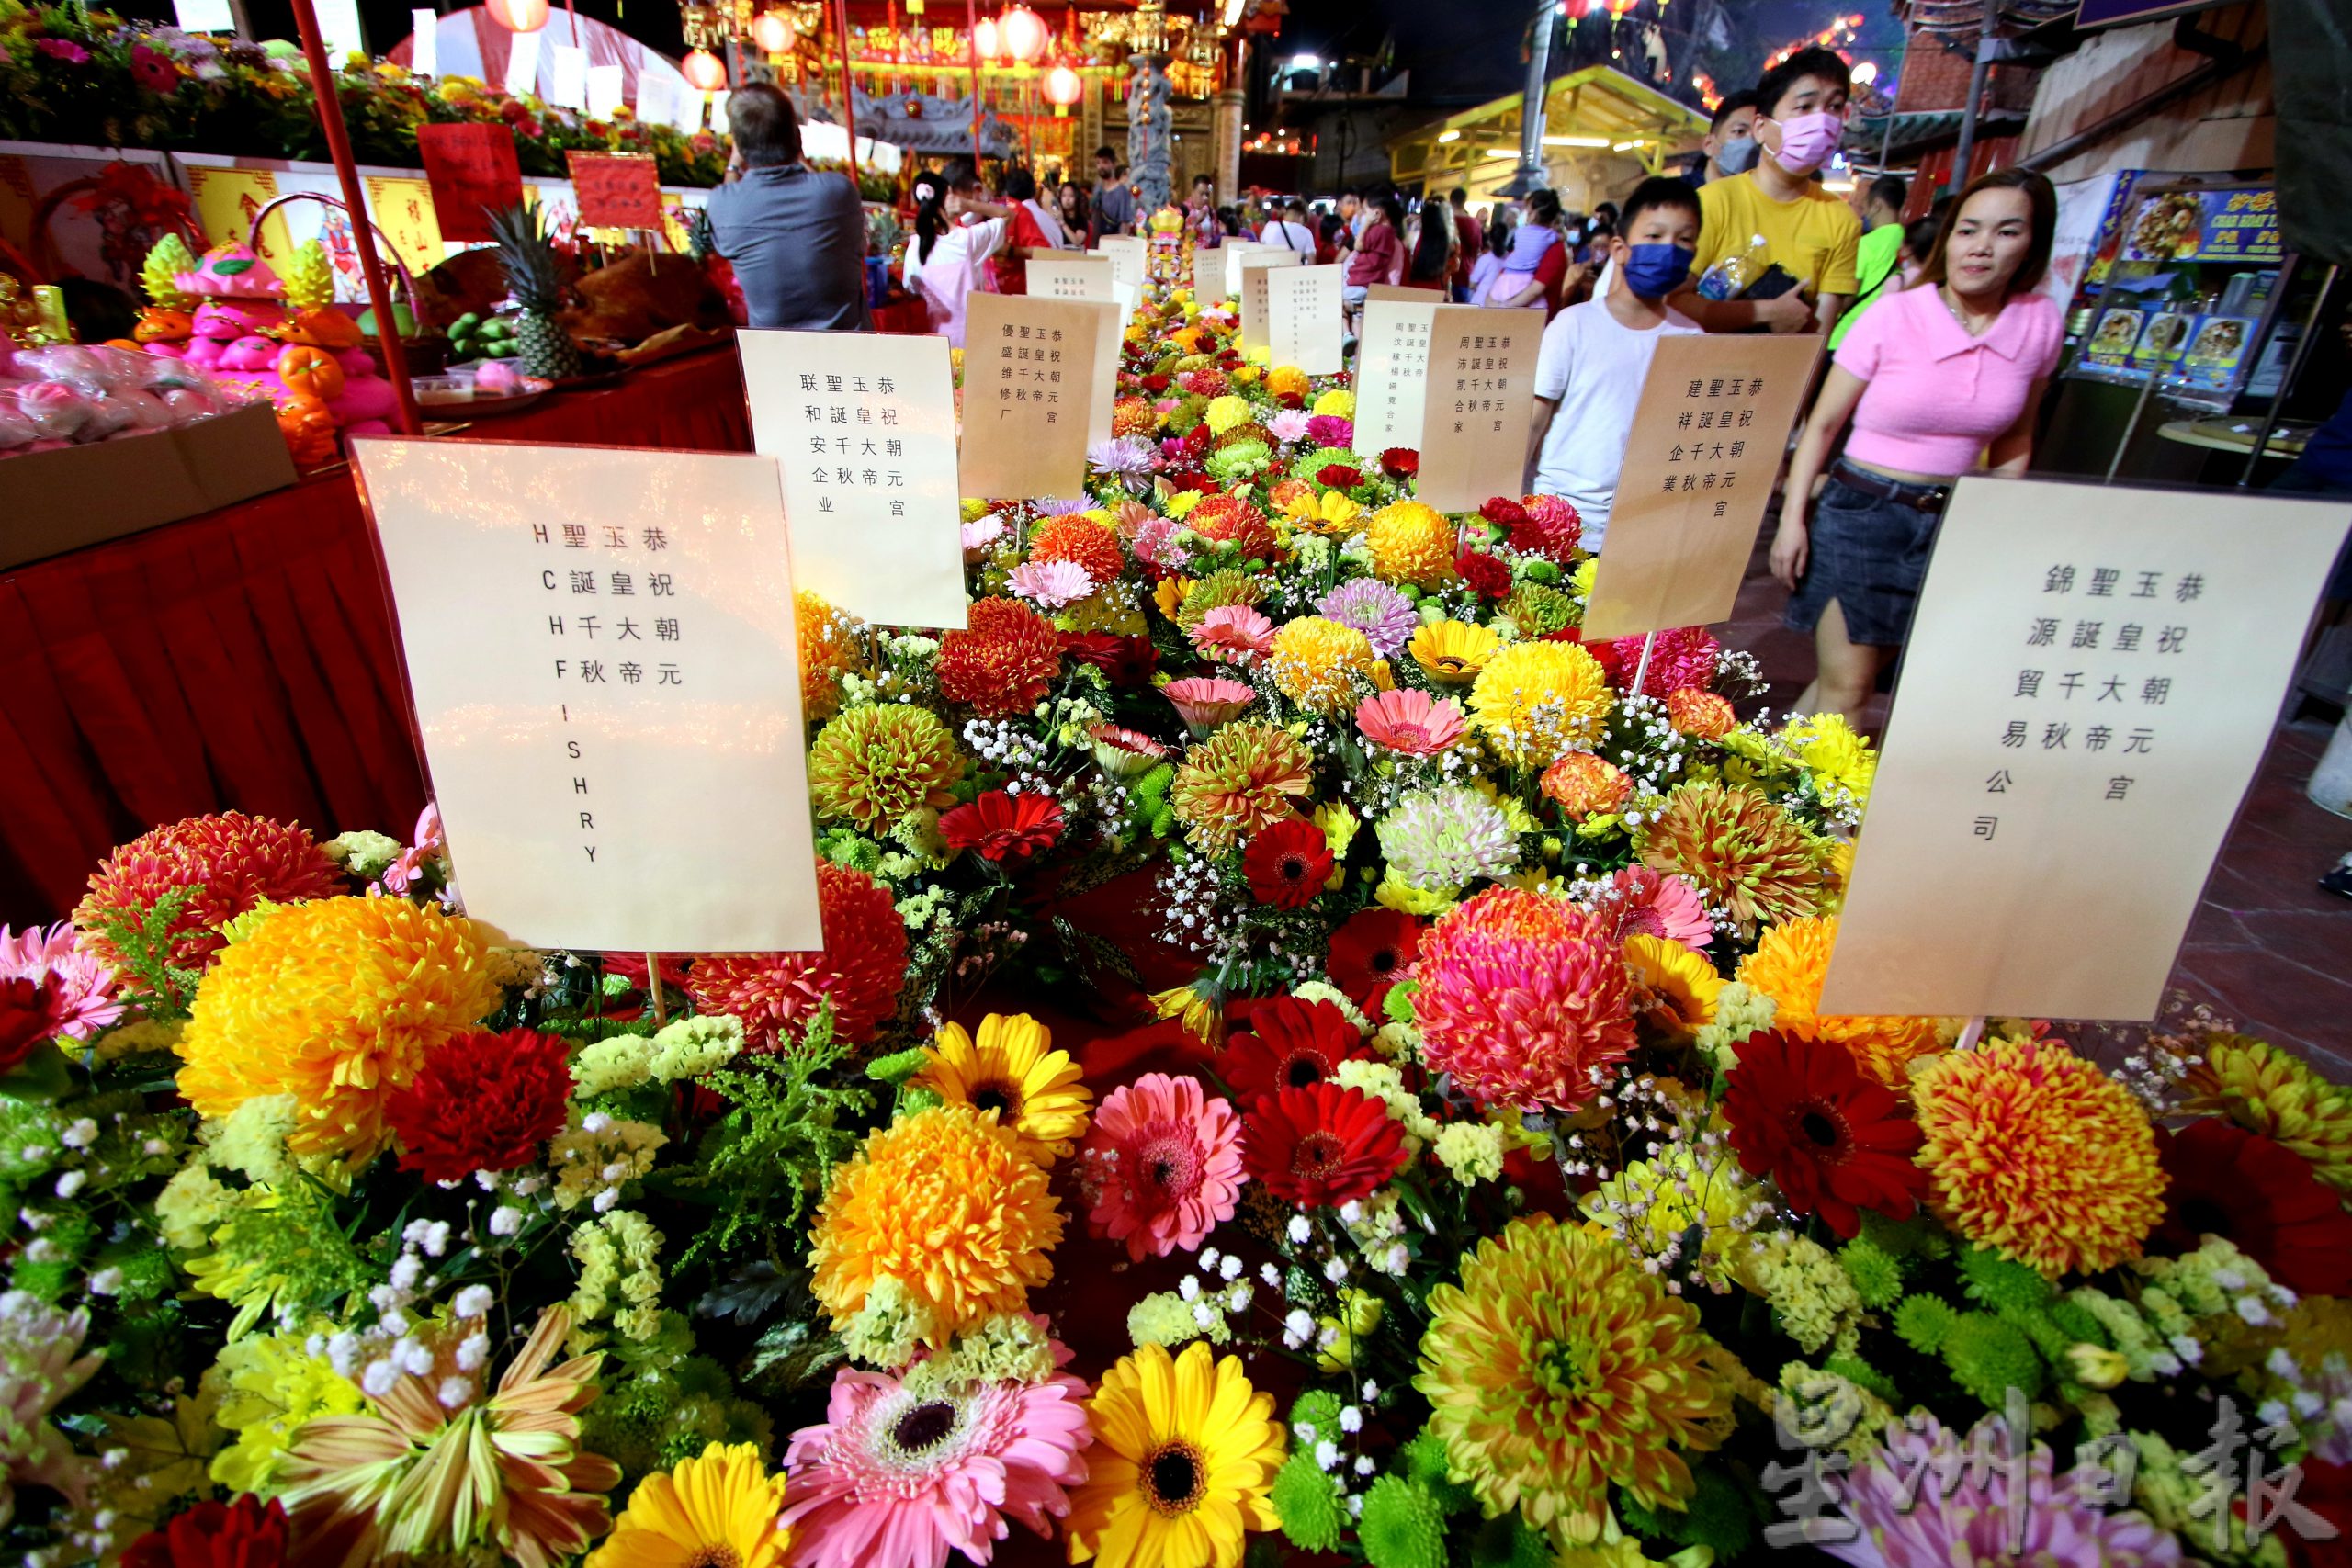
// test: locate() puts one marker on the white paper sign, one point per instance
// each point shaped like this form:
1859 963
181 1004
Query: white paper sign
718 110
570 89
604 91
1255 268
425 41
339 28
601 650
1392 374
865 429
1129 296
654 94
1065 276
206 16
1303 317
1234 252
1127 254
523 64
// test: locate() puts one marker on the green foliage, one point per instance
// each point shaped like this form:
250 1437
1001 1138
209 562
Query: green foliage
1923 1321
1424 1462
1920 1237
1507 1542
792 1356
1308 1504
2071 1319
145 975
1721 1516
2001 1285
1854 1369
658 1407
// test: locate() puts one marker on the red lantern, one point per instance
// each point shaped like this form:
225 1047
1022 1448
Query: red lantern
518 16
773 32
1063 87
1025 36
704 71
984 40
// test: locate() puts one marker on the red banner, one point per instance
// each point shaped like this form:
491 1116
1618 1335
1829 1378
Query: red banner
472 171
616 190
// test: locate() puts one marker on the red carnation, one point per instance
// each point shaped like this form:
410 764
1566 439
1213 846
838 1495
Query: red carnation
860 969
1290 1043
1487 577
1322 1146
1401 462
1287 864
1370 952
1003 827
1502 511
1002 664
1338 476
1127 661
1155 383
2263 1198
232 861
244 1534
26 1017
483 1101
1834 1141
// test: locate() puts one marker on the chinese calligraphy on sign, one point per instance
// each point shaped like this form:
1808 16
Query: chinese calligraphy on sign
864 428
1475 419
1127 253
1255 292
1707 445
616 190
1392 374
2087 690
601 646
1303 317
1029 380
1065 276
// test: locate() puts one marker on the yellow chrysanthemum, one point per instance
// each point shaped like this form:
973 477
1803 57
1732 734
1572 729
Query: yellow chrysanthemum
1834 754
1557 1368
2265 1090
1316 663
829 651
2037 1154
1286 381
1411 542
1453 652
1789 964
1014 1070
1223 413
267 1386
946 1202
876 762
718 1509
1536 701
1184 1456
336 1002
1683 984
1339 404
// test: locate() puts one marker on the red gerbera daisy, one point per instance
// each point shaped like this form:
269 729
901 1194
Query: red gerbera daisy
860 969
483 1101
245 1533
1322 1146
1128 662
1287 864
1002 826
2229 1182
1290 1043
1003 663
1402 462
1834 1141
1338 476
1370 950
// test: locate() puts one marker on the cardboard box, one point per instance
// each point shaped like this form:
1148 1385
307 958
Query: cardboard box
54 502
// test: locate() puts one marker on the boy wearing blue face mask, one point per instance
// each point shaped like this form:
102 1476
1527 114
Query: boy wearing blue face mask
1595 357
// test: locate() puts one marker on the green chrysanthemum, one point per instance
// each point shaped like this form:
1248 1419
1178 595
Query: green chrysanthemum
1556 1367
1423 1461
1538 611
2001 1285
1989 1357
1507 1542
1307 1502
2265 1090
1217 591
1877 1277
872 765
1923 1323
1401 1526
1318 1410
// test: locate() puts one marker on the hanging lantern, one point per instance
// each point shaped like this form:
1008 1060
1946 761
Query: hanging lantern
1024 35
1063 88
518 16
984 38
704 71
773 32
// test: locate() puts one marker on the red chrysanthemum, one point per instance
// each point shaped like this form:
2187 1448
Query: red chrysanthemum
1287 864
233 862
483 1101
1003 827
1370 952
1322 1146
1548 526
861 966
1226 517
1074 537
1833 1141
1003 663
1338 476
1127 661
2263 1198
1401 462
1487 577
1203 383
1290 1043
243 1533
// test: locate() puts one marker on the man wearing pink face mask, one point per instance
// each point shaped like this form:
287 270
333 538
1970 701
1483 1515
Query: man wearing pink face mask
1776 251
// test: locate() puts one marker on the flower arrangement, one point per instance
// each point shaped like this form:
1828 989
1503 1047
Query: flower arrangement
1492 1191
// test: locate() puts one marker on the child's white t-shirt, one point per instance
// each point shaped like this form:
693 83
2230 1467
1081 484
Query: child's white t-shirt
1593 365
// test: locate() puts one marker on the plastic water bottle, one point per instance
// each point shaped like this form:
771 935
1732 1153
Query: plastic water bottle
1735 272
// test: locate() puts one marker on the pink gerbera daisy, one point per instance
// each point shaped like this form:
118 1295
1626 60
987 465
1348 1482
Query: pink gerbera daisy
1647 904
899 1477
1163 1166
1203 702
1235 633
74 986
1050 583
1410 721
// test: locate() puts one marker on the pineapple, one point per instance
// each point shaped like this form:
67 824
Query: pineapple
523 249
159 275
310 281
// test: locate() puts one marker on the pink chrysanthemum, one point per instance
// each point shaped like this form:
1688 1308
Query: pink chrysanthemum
1158 541
1548 526
1162 1165
899 1477
859 971
75 987
1203 702
1234 634
1410 721
980 533
1684 657
232 861
1523 999
1645 903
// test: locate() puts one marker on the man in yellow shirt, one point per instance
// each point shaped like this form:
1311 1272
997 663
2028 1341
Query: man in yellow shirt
1775 213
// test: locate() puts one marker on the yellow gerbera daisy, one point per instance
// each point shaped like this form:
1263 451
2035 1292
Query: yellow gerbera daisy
1014 1070
1453 651
719 1508
1681 982
1186 1453
1334 511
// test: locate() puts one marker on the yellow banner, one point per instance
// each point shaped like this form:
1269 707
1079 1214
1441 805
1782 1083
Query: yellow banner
403 210
227 201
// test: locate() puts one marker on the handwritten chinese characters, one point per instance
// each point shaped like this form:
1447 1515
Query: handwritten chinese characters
601 646
2087 690
1029 377
864 428
1303 317
1393 378
1706 445
1475 419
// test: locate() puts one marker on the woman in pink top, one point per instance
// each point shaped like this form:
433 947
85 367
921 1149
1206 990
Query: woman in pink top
1936 379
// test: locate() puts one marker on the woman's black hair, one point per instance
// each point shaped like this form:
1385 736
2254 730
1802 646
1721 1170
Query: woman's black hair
1543 206
1498 235
1394 211
930 217
1430 250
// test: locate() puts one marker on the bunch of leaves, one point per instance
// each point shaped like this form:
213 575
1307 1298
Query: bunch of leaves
146 977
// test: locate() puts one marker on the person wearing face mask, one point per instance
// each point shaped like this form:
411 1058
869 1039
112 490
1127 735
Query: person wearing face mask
1595 357
1804 231
1730 143
1939 379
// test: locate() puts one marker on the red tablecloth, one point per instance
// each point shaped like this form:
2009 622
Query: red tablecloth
244 658
906 317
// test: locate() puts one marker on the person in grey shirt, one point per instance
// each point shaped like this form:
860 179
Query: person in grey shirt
794 236
1115 204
